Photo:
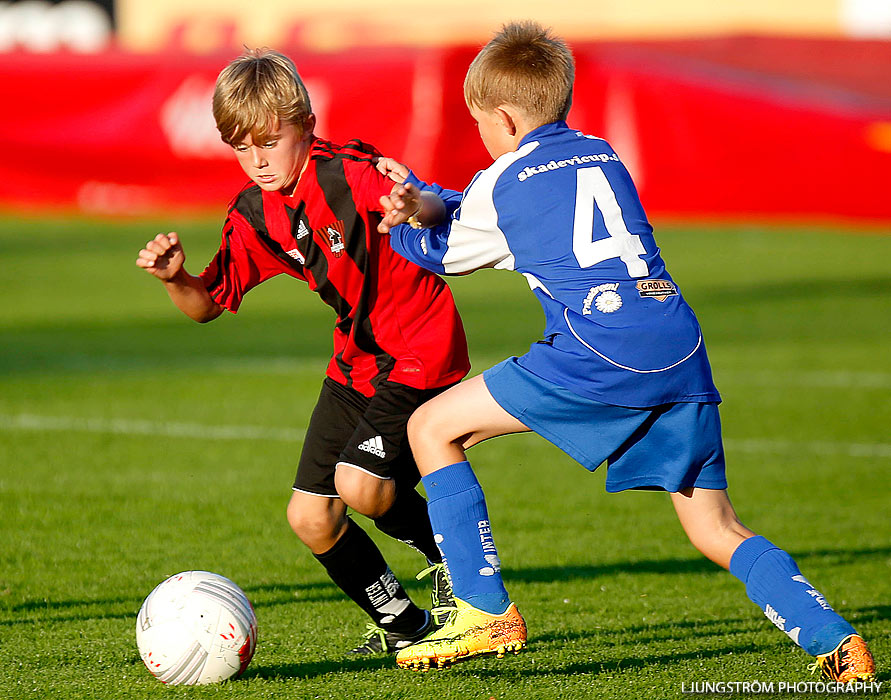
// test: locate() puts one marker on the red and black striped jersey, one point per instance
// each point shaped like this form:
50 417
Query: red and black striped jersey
395 320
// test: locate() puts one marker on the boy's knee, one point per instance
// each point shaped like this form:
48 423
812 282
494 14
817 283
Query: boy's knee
319 534
365 493
415 425
423 428
318 528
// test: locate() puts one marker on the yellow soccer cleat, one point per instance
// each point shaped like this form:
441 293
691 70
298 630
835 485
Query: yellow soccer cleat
468 632
850 661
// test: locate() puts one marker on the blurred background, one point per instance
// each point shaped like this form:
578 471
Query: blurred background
757 109
135 443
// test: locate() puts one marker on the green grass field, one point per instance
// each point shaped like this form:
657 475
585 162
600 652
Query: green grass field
135 444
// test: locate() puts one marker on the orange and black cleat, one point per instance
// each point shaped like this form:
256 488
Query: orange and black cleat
850 661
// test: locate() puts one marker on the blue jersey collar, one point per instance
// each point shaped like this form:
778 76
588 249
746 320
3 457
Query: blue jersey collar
544 130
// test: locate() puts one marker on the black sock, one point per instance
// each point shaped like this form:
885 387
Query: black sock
407 521
356 565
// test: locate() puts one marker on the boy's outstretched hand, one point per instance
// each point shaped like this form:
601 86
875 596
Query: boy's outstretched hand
162 256
403 202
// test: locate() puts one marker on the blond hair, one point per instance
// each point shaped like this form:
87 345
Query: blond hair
525 66
256 93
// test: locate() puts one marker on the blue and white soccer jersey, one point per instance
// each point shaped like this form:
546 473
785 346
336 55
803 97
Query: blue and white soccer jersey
563 211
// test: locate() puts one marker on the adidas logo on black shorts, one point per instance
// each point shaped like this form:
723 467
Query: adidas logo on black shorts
374 445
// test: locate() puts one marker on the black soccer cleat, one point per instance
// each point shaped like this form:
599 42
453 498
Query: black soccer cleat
378 640
441 596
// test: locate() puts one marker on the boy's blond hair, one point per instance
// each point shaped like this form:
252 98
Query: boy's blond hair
525 66
256 93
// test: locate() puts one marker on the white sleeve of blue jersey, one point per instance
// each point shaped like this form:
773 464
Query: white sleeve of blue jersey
472 238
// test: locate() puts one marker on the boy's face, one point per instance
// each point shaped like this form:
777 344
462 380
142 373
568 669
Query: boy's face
497 139
276 165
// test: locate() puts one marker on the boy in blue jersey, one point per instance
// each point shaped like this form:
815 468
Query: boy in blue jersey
621 375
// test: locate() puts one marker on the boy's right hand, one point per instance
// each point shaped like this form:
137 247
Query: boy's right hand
392 168
403 202
162 256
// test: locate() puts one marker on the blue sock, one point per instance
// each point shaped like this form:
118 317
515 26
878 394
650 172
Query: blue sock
775 584
461 529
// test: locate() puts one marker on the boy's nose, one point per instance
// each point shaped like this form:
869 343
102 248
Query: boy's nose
258 161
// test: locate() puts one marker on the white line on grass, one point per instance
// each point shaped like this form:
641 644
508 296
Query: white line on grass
841 379
821 448
121 426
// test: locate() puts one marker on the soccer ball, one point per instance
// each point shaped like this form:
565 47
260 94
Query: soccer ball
195 628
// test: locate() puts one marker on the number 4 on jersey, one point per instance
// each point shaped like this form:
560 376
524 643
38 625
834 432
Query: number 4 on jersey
592 188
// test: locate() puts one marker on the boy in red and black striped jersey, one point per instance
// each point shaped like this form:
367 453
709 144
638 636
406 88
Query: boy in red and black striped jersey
311 211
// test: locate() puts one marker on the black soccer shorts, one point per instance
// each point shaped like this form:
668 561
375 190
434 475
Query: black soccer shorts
348 427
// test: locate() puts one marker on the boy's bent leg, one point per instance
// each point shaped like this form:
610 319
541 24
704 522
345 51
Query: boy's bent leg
775 584
485 621
396 508
358 568
376 473
441 429
445 426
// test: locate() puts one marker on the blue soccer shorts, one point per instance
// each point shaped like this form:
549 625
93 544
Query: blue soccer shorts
669 447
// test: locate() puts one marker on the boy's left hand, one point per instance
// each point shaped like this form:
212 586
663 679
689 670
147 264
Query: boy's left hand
403 202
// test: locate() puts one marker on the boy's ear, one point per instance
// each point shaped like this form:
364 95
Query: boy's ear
507 120
308 126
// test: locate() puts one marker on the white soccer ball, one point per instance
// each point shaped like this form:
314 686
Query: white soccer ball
195 628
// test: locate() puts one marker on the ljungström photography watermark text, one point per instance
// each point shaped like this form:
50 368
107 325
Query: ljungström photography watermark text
781 688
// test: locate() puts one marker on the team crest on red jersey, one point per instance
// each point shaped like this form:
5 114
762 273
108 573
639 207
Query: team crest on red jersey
334 233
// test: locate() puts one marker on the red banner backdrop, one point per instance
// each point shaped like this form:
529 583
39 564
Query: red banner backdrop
707 128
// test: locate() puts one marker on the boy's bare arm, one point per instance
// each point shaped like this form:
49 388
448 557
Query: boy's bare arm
163 257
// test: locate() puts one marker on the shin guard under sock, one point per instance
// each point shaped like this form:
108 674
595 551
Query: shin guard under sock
460 522
407 521
358 568
775 584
